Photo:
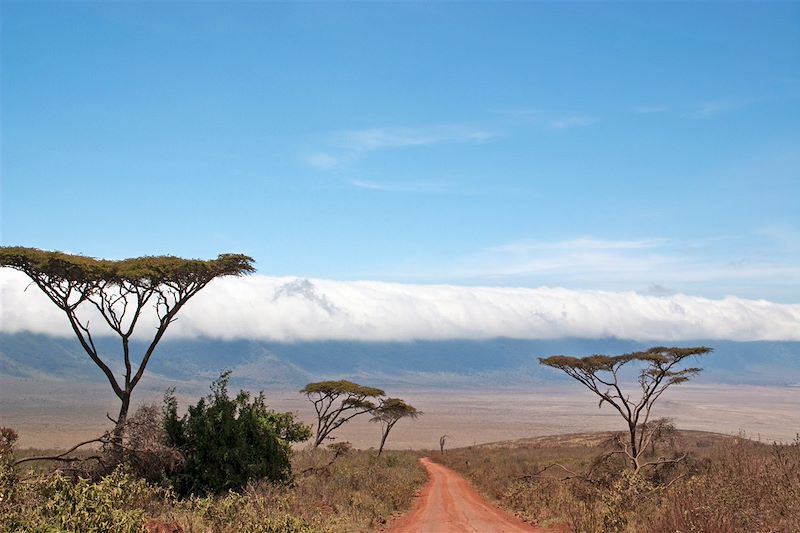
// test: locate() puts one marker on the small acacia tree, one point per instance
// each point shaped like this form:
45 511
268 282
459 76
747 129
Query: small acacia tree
442 441
336 402
601 375
388 413
121 292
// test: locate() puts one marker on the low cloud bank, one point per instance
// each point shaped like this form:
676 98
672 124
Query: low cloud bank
292 309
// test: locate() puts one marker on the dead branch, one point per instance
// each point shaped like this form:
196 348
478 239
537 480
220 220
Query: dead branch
61 457
538 473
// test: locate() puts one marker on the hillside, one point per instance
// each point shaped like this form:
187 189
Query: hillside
683 439
454 363
574 482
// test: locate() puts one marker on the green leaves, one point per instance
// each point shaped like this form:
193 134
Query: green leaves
120 291
341 387
353 400
227 442
394 409
148 270
657 358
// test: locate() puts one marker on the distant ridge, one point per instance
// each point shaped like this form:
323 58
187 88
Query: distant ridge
496 362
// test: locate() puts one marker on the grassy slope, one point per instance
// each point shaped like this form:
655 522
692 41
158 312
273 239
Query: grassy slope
726 485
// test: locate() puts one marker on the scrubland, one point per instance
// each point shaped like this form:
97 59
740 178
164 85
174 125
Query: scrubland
356 492
574 483
565 483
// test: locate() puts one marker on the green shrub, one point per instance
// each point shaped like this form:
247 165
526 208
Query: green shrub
56 503
227 442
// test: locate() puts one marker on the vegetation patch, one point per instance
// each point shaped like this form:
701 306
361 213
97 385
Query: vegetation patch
355 492
725 484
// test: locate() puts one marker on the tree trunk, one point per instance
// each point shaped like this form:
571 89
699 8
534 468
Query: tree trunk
319 438
122 418
383 440
634 450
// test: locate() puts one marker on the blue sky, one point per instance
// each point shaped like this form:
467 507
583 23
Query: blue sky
650 147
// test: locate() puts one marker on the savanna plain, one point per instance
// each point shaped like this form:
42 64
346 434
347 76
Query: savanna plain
547 456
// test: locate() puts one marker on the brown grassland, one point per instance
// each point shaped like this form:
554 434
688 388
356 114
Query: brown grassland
567 483
571 482
574 482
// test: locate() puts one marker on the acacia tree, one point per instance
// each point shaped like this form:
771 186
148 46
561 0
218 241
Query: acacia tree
388 413
336 402
601 375
121 292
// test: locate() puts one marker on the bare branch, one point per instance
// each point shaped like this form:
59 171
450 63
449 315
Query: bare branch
117 289
658 374
62 456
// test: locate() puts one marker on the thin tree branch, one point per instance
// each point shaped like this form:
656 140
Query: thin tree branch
60 457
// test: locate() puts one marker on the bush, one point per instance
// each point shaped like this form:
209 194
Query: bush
748 486
251 512
145 453
355 493
227 442
54 502
8 437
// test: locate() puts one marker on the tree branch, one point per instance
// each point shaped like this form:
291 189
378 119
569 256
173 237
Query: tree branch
60 457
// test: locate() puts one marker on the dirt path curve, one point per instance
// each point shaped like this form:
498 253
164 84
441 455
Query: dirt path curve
449 504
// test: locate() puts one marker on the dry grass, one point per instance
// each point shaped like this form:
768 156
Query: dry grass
725 485
357 492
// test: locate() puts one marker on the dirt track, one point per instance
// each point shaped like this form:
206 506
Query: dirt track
449 504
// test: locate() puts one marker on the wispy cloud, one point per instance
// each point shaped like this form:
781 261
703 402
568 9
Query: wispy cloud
650 109
552 119
349 145
714 108
734 265
572 121
405 186
325 161
383 138
579 244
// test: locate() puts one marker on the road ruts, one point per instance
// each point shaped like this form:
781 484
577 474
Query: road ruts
449 504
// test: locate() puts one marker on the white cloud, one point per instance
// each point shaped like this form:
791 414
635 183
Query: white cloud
406 186
288 309
748 265
554 119
381 138
714 108
324 161
650 109
572 121
349 145
582 243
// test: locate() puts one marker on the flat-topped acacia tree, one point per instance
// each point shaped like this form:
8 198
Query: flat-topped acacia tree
121 292
336 402
389 413
601 375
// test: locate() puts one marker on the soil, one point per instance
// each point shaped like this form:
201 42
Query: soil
449 504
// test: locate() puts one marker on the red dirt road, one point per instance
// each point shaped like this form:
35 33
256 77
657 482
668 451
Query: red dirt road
449 504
